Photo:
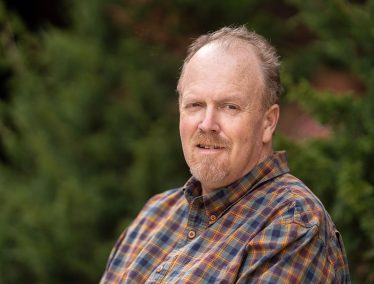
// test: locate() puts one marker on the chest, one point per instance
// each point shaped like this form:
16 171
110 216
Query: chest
188 249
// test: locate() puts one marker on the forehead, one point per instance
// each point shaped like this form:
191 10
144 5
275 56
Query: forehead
216 65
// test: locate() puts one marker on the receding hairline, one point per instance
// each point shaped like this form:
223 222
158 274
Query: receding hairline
229 44
226 41
266 54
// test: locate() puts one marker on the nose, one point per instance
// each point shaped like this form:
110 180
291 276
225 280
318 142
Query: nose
209 121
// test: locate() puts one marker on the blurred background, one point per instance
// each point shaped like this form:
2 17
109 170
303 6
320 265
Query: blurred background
89 120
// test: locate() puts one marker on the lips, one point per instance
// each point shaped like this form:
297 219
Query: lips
210 147
210 142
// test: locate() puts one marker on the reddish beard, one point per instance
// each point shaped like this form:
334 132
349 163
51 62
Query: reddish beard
210 169
210 138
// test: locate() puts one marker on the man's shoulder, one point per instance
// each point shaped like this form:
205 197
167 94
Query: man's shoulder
167 195
164 200
290 188
299 204
159 206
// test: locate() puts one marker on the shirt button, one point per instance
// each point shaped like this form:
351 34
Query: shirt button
212 219
191 234
159 268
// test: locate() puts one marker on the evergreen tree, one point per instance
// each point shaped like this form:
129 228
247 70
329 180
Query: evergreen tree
89 122
338 169
88 133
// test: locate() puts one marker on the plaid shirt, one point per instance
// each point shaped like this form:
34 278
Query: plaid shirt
268 227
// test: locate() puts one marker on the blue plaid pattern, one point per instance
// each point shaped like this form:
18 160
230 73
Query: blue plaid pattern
268 227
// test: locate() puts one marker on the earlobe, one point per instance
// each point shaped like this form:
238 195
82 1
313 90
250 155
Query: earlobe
270 122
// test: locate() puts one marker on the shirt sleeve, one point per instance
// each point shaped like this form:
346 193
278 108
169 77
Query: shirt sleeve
290 252
114 261
116 247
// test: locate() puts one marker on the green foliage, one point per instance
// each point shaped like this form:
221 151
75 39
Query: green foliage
339 168
84 135
89 123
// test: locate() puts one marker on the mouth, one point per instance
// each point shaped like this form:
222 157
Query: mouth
210 147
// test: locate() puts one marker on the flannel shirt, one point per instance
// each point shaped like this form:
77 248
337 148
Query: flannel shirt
267 227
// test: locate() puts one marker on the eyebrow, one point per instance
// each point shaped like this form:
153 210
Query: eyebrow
232 98
192 97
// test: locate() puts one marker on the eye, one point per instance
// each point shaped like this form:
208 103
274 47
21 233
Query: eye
231 107
193 105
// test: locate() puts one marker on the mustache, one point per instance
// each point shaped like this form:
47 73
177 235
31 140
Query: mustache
210 139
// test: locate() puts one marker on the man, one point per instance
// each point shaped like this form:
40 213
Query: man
242 217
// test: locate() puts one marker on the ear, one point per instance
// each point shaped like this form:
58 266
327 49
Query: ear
270 122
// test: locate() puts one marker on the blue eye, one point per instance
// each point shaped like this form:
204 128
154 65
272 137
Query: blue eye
231 107
193 106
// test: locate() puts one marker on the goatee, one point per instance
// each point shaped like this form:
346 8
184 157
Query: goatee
210 168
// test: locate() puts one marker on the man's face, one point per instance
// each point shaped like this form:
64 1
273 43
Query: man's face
221 119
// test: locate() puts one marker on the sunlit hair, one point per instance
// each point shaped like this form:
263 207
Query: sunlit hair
266 53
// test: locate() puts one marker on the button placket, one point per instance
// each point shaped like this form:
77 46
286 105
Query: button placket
159 273
196 218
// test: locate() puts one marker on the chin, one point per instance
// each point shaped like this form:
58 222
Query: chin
209 174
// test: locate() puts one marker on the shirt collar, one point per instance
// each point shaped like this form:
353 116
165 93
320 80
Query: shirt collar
222 199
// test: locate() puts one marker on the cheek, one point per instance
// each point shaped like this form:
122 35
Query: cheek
185 129
246 137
